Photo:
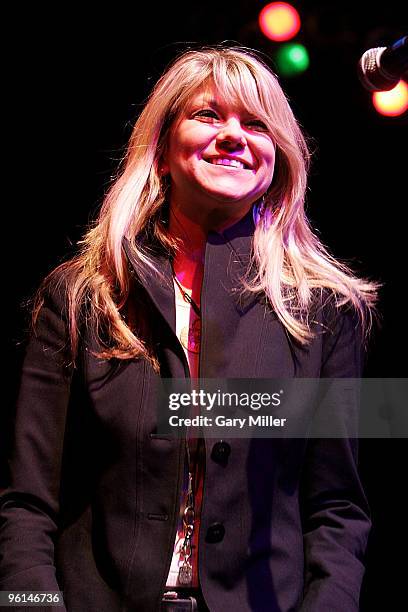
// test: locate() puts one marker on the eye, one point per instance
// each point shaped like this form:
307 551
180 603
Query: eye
257 124
206 113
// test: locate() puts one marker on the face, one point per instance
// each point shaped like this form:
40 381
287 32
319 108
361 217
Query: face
219 157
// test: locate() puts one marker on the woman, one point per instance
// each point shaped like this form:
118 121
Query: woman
201 263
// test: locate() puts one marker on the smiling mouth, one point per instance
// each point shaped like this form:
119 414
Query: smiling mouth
228 163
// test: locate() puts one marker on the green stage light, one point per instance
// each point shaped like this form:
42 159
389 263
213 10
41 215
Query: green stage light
291 59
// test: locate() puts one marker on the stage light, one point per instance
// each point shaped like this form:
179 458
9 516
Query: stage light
392 103
279 21
291 59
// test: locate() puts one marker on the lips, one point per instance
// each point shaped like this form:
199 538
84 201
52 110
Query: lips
230 162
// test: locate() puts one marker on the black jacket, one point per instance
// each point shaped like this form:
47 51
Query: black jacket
94 495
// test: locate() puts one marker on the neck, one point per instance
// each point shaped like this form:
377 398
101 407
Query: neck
191 226
191 233
191 236
188 263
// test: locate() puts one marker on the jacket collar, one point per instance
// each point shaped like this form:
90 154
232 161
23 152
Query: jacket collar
232 249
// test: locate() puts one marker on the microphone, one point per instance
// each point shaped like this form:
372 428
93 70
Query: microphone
381 68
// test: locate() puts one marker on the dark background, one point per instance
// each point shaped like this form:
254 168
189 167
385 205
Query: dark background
77 80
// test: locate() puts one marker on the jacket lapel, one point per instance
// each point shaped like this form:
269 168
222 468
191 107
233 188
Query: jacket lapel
239 239
158 283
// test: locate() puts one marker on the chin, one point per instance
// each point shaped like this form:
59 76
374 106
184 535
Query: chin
229 198
231 195
226 195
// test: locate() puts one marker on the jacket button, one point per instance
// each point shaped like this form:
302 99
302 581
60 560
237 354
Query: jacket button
220 452
215 533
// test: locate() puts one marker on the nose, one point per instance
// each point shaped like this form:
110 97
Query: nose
231 135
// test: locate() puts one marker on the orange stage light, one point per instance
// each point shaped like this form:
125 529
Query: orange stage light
392 103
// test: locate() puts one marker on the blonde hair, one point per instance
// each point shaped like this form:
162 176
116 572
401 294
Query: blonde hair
291 264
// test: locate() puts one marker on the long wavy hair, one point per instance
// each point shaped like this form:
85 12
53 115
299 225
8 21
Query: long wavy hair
290 262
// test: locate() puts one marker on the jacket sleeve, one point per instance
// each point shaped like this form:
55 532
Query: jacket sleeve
29 506
335 513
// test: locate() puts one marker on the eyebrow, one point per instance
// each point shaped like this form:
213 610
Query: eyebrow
205 101
214 104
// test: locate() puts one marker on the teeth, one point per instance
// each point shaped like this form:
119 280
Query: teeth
227 162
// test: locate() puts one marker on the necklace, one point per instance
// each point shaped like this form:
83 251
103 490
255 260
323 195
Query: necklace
185 575
190 339
187 298
190 334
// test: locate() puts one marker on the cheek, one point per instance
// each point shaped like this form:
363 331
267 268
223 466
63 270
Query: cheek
270 159
176 156
193 140
181 150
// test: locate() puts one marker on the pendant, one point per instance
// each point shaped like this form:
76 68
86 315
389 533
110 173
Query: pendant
190 336
185 575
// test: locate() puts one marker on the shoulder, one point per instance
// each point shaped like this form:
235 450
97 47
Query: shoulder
50 313
53 294
343 338
47 339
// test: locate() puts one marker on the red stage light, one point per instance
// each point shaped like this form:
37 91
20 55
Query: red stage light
279 21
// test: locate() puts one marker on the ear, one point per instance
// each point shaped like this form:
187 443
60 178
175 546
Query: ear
163 164
164 168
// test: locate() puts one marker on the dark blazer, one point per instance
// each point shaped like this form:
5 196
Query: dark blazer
94 494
